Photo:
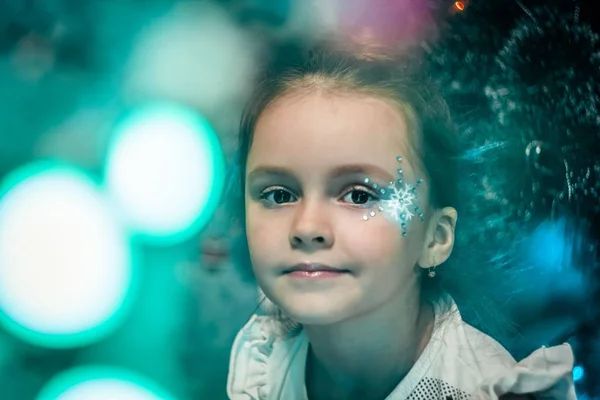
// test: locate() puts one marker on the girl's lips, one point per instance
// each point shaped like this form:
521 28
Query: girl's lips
314 270
317 274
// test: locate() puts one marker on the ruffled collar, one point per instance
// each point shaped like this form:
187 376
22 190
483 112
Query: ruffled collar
249 362
260 357
547 372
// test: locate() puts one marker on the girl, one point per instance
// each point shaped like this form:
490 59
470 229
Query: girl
352 178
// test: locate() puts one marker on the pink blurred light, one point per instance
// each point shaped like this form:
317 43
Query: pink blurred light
387 22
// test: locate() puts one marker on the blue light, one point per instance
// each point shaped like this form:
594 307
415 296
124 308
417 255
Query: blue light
549 245
578 373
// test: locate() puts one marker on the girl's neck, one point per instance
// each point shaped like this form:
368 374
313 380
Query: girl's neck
368 356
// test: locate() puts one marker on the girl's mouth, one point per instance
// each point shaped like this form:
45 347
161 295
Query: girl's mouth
315 270
318 274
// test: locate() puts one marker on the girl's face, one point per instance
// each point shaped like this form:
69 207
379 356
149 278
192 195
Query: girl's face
305 201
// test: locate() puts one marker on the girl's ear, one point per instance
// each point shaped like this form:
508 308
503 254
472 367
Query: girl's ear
440 237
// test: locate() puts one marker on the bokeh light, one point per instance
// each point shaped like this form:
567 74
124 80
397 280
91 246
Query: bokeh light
459 6
386 24
195 54
102 383
551 246
165 172
578 373
66 269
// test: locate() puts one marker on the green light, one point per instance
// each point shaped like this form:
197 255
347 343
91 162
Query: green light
68 274
165 172
102 383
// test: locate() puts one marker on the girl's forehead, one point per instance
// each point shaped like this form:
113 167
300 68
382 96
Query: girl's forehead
321 130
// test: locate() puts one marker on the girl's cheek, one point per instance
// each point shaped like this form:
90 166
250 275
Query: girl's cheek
376 239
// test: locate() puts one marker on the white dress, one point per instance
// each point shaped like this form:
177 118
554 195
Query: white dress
458 363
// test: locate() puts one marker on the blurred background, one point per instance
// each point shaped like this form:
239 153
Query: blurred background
123 268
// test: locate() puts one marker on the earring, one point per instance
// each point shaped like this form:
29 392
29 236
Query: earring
432 269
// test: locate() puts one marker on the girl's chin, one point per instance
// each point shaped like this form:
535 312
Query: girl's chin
316 310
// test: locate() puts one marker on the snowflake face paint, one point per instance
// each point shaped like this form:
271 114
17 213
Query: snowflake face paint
399 203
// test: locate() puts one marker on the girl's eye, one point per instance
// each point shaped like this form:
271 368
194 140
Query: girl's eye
277 196
359 195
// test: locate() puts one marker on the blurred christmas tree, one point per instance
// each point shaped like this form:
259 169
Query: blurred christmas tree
523 80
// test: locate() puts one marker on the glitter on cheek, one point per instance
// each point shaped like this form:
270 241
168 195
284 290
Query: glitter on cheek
400 205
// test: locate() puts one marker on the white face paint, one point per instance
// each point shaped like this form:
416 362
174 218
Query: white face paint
399 201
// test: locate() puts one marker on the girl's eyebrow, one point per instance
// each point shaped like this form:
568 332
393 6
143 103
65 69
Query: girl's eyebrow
270 171
367 170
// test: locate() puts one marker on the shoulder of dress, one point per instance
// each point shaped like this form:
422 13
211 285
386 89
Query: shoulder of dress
252 354
247 378
547 373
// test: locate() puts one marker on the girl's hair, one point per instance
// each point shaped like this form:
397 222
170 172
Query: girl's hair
435 144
